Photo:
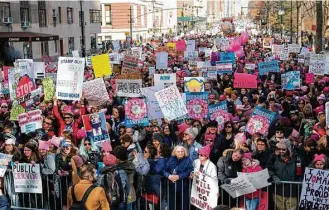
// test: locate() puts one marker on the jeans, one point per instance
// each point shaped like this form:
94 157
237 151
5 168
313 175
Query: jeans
4 204
252 204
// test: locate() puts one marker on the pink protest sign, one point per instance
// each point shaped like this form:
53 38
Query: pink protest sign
242 80
309 78
180 45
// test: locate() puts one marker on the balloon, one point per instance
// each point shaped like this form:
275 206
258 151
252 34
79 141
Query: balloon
236 44
244 37
230 48
239 53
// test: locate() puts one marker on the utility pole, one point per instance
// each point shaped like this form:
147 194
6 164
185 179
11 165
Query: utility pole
290 21
131 22
82 23
319 27
281 18
297 27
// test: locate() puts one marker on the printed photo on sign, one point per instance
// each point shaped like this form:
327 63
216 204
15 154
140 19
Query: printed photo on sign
197 105
219 113
260 121
194 84
95 125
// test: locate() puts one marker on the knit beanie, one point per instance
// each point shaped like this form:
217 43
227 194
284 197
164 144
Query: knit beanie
205 151
43 145
192 132
319 158
79 160
106 146
158 137
109 160
284 143
81 133
182 127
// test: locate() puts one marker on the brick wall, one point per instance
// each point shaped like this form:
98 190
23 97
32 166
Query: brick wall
120 15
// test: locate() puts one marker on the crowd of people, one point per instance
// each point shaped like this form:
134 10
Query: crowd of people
155 164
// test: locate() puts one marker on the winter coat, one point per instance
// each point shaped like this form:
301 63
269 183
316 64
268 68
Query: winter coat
192 149
48 166
278 169
181 167
227 168
75 126
153 179
262 157
209 168
141 164
254 167
96 199
307 156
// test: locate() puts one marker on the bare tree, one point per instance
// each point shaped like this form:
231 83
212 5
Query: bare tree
319 27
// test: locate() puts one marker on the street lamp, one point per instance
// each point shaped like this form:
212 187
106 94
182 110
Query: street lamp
281 13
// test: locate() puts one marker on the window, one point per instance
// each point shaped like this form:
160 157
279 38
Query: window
44 48
142 16
69 15
93 42
25 11
71 44
59 15
108 15
135 15
81 17
42 13
95 16
107 38
4 10
55 43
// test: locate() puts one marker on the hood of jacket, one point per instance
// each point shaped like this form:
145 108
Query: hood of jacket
128 166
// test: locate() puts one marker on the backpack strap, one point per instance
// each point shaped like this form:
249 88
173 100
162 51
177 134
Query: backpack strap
85 196
73 194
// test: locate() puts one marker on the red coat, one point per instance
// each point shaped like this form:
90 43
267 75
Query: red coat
252 169
75 126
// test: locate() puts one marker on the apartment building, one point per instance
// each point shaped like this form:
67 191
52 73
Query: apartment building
56 27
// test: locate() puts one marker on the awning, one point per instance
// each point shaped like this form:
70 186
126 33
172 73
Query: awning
26 37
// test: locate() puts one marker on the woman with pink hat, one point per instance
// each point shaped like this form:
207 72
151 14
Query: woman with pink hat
47 159
319 162
203 165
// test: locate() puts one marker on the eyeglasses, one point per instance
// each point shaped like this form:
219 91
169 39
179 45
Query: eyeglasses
86 144
281 149
196 125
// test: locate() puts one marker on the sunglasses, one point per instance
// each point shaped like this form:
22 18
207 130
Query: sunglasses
196 125
66 147
67 118
48 123
260 144
4 106
88 144
228 127
281 149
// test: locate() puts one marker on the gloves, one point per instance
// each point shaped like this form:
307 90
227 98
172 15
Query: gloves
276 180
227 181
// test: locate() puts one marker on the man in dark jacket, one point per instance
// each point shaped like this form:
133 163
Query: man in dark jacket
229 166
307 151
262 153
285 166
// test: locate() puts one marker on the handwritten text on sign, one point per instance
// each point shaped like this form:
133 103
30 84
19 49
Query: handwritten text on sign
315 189
128 87
27 178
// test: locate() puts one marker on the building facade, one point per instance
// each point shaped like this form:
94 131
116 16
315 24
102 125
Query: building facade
60 18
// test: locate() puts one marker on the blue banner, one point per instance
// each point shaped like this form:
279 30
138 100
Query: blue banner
260 121
219 113
290 80
227 56
270 66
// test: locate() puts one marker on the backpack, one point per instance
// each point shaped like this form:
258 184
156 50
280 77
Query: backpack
114 190
80 205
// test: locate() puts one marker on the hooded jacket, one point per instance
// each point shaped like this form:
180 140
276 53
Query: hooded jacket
227 168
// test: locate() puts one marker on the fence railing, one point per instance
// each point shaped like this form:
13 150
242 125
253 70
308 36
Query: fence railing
165 196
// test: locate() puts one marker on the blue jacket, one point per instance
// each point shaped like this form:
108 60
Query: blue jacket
182 168
153 179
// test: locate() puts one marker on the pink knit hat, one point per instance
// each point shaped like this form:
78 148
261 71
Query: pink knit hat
43 145
205 151
81 133
210 137
240 138
182 127
55 141
319 158
247 155
109 160
106 146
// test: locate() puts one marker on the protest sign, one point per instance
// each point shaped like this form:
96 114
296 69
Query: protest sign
137 52
267 42
26 65
224 68
171 103
14 74
242 80
210 74
258 179
270 66
16 110
30 121
309 78
197 105
116 45
70 78
114 58
130 64
180 45
4 160
88 61
227 57
164 80
5 74
290 80
28 99
39 70
293 48
153 108
214 57
128 76
190 46
301 58
317 64
277 49
48 88
95 125
75 53
27 178
162 60
314 193
128 87
250 66
151 70
171 45
136 112
327 113
95 92
207 52
101 65
260 121
194 84
24 86
204 192
219 113
239 186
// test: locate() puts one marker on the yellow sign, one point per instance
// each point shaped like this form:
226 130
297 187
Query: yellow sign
15 111
127 33
171 45
101 65
48 88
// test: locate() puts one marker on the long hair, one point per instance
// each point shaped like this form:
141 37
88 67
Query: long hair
82 148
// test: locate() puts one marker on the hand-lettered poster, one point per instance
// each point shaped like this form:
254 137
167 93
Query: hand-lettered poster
242 80
14 74
309 78
26 65
130 64
197 105
48 88
101 65
224 68
4 160
171 103
24 87
162 60
27 178
70 78
314 189
16 110
219 113
136 112
194 84
318 64
204 193
270 66
39 70
164 80
239 186
153 108
290 80
260 121
128 87
95 92
30 121
95 125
